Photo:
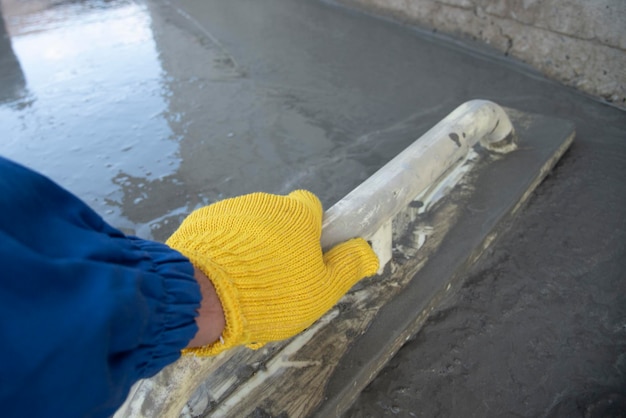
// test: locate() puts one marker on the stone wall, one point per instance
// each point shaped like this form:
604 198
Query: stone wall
581 43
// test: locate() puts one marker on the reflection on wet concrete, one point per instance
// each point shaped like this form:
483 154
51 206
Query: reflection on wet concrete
149 109
146 111
142 112
97 99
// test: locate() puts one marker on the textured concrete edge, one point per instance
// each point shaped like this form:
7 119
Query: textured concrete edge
398 321
585 64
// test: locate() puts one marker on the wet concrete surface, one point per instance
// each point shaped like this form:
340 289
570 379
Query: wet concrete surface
147 110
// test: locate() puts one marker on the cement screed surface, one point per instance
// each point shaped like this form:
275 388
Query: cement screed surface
149 109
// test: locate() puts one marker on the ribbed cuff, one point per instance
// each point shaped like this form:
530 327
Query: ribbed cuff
234 322
176 308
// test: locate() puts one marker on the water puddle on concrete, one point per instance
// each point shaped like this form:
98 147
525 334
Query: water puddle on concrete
147 110
91 112
140 110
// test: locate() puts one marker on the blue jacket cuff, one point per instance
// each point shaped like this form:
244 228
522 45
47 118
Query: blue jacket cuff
176 308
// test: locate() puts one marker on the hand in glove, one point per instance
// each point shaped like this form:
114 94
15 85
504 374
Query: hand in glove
262 253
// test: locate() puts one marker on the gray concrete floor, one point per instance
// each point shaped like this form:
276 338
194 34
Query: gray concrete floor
148 109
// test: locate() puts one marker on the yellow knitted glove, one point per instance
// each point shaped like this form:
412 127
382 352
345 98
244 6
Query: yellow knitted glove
262 253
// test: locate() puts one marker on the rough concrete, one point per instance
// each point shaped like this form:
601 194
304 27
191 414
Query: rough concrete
473 215
539 327
579 43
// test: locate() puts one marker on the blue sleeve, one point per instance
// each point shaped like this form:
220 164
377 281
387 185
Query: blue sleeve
85 311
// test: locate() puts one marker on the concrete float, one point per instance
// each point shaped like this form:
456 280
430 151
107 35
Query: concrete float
429 214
